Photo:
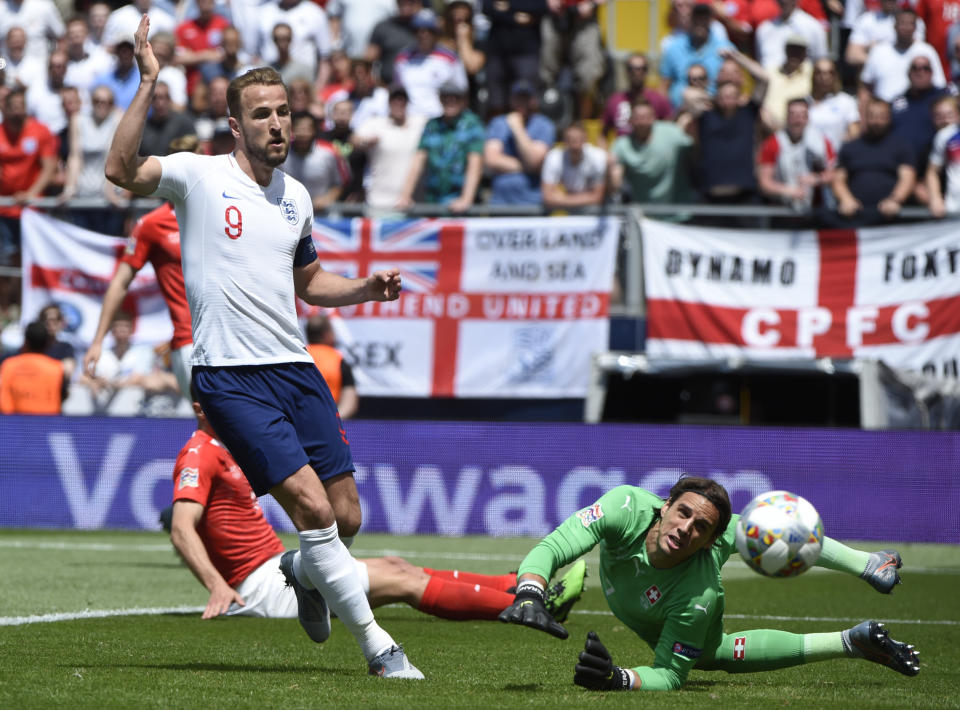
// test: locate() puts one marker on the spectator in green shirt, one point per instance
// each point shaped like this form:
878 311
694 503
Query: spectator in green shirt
449 157
651 161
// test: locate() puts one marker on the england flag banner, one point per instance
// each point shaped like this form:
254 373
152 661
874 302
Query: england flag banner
72 267
505 307
884 293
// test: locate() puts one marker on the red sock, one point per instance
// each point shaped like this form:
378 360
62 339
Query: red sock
503 582
451 599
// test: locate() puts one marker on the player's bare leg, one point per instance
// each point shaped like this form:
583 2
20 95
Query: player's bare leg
343 496
394 580
324 564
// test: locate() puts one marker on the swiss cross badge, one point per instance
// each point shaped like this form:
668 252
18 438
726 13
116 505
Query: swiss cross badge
652 595
739 644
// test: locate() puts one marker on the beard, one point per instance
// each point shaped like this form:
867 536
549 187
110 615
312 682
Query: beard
261 153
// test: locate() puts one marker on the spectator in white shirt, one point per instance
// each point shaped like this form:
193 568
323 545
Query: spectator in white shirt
288 67
874 27
427 66
772 35
885 73
124 21
390 143
123 374
311 44
97 17
173 75
21 69
84 63
352 22
834 113
90 138
40 19
576 174
43 98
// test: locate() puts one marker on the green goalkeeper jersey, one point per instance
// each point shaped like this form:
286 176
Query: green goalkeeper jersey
677 611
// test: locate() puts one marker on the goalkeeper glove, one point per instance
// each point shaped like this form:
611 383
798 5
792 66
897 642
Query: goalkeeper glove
596 670
528 609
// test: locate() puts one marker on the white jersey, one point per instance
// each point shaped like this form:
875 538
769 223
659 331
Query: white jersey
310 39
238 242
875 26
772 36
945 155
558 169
886 69
833 115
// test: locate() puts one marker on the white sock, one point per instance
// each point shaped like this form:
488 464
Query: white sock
325 560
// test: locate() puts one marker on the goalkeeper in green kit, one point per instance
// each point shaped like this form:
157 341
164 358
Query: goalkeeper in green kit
660 572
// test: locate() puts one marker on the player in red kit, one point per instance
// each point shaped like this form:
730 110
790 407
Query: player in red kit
155 238
219 529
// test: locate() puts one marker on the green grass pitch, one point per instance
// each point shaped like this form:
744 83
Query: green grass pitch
175 660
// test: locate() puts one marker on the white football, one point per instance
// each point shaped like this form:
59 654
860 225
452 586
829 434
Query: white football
779 534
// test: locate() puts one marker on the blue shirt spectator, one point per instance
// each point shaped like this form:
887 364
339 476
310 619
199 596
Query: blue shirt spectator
124 78
913 112
516 145
698 46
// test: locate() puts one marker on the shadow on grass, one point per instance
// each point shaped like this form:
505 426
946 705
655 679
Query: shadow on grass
525 688
173 564
702 685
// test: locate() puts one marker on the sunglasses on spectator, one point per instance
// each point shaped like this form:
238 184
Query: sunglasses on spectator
696 77
920 67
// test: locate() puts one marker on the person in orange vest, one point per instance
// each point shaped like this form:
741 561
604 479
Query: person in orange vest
334 368
32 382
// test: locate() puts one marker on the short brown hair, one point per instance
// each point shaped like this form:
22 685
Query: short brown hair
261 76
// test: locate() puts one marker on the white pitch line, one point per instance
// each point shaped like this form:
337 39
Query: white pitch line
92 546
166 547
157 611
733 564
96 614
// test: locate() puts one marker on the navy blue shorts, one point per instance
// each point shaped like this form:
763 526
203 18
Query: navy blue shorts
274 419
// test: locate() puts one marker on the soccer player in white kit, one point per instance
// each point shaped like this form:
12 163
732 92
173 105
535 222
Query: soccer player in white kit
246 228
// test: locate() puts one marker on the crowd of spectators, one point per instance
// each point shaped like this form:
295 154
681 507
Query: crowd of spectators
504 102
458 102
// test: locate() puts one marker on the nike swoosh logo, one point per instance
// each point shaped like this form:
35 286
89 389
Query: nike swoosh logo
229 197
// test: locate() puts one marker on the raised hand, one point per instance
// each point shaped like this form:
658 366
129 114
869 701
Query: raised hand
146 60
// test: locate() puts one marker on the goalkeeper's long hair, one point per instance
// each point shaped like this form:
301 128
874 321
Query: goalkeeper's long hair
712 491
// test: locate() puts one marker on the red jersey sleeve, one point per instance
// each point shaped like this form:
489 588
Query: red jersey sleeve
137 251
194 471
769 151
49 144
